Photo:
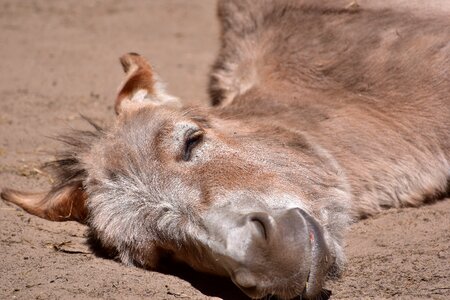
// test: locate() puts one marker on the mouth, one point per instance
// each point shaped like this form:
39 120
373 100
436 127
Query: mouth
320 262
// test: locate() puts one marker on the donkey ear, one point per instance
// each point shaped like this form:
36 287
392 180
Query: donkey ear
64 203
141 86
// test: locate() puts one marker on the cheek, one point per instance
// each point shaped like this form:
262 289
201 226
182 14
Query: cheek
225 173
146 255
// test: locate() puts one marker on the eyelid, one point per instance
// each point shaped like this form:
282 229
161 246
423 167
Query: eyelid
194 133
193 138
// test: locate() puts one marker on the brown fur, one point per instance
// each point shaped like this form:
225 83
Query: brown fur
346 72
322 114
65 204
139 76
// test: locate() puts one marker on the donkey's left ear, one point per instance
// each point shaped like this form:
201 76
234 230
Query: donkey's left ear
141 86
62 203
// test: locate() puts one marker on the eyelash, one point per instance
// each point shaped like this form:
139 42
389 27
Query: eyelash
191 142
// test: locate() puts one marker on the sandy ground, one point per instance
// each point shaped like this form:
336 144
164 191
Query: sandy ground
59 59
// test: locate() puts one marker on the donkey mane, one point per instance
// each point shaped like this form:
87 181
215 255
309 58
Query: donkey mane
68 166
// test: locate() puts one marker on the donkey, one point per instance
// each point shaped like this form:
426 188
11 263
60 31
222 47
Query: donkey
320 116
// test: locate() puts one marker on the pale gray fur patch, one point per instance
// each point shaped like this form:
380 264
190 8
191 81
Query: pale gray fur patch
162 95
132 214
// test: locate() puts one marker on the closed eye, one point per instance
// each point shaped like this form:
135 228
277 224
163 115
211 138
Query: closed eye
192 140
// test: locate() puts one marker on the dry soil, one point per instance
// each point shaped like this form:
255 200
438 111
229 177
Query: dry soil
59 59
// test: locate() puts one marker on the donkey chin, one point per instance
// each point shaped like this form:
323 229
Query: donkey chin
279 252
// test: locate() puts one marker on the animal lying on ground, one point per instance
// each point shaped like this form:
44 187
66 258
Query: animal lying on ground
320 116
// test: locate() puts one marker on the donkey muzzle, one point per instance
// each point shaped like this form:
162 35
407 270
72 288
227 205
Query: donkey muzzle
280 252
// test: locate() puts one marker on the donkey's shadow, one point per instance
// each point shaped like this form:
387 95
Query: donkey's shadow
207 284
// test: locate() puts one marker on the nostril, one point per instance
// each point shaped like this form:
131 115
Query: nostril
263 223
260 227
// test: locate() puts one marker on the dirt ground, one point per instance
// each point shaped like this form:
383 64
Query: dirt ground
59 59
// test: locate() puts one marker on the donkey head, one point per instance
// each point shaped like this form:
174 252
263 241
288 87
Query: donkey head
252 201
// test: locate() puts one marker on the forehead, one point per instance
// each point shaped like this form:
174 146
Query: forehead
146 122
132 141
144 135
151 121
